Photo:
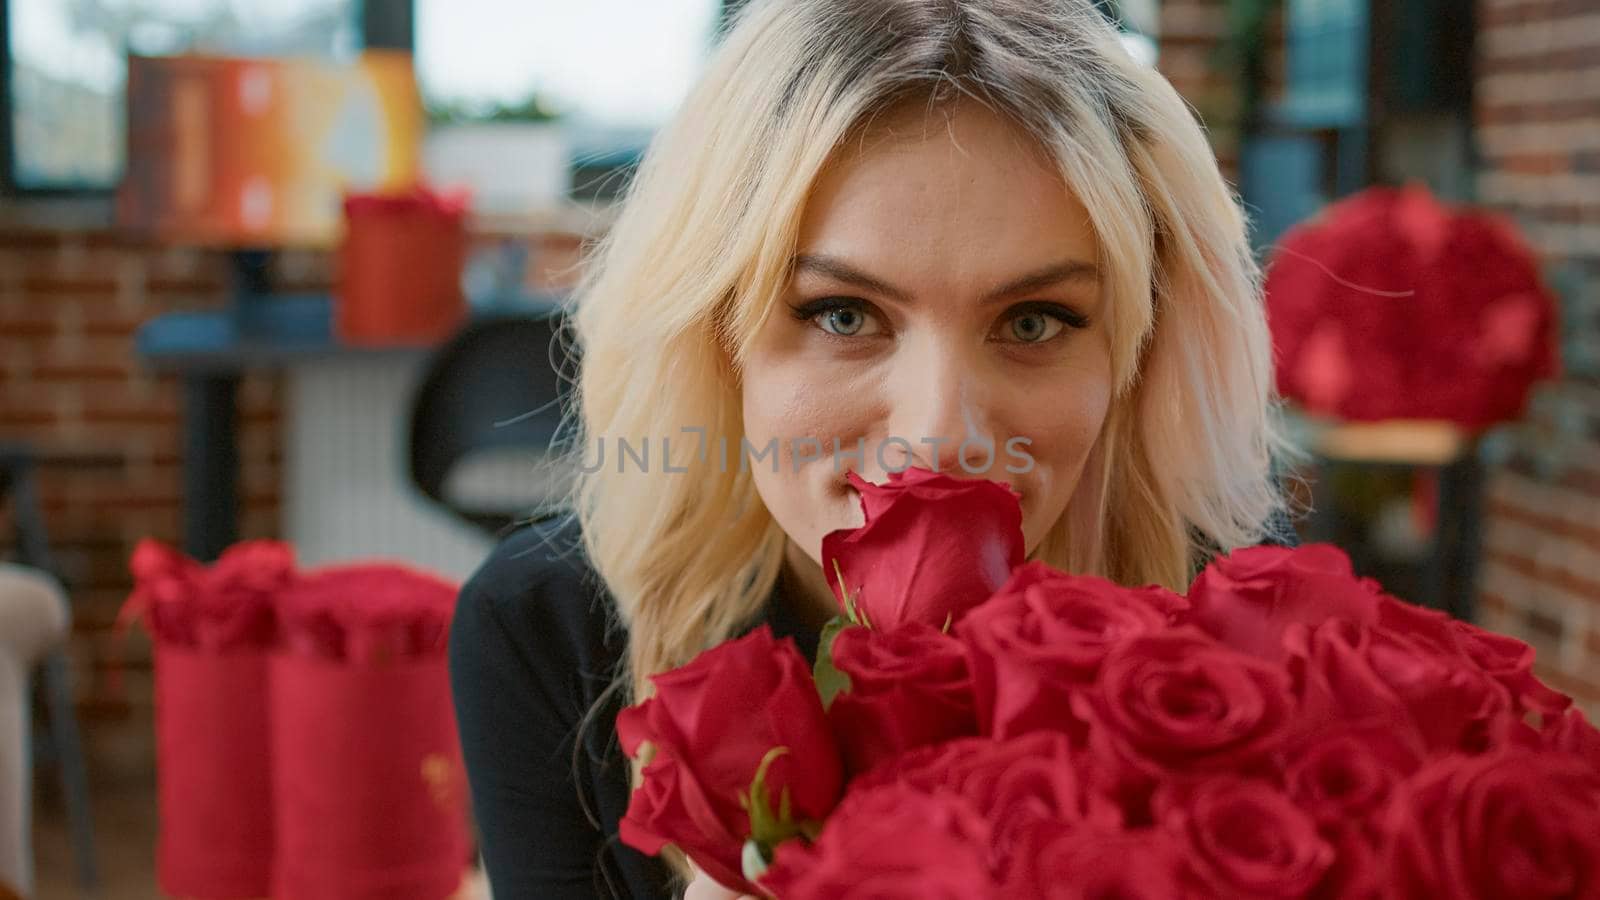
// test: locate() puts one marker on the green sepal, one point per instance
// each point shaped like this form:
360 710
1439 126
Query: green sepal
766 826
769 828
852 611
830 681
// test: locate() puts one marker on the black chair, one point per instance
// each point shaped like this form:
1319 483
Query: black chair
501 384
60 744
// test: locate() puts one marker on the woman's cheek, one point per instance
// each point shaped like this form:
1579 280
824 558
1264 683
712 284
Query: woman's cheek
1061 437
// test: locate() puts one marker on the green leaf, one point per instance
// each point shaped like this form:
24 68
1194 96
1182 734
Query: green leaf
830 681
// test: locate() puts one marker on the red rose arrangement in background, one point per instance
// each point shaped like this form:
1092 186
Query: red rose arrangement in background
1284 730
1390 305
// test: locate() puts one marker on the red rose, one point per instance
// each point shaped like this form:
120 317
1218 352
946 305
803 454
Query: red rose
908 687
1246 839
1510 662
165 585
1041 638
1572 733
368 612
892 841
1407 671
932 547
1010 783
1505 824
1179 702
1248 598
242 588
1346 772
1057 861
712 722
228 605
1357 869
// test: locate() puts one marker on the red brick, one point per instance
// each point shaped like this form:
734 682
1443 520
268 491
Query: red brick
1536 519
101 283
1490 603
90 376
124 416
98 352
1549 110
30 241
111 326
1531 569
198 285
32 327
124 397
24 411
1549 163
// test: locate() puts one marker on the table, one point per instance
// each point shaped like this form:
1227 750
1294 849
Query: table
1442 447
212 351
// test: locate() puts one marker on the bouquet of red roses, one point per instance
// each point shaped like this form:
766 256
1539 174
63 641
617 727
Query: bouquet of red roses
979 727
1391 304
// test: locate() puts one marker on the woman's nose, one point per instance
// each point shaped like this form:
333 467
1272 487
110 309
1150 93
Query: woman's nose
940 410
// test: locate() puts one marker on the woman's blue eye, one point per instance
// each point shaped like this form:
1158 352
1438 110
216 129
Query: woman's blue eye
1034 327
842 317
843 321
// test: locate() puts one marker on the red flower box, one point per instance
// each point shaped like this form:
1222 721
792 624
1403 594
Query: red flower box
400 269
370 790
213 628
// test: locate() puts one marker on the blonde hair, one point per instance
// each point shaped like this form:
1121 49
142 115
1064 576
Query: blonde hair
673 294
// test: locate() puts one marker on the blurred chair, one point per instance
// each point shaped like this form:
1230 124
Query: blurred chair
486 414
34 623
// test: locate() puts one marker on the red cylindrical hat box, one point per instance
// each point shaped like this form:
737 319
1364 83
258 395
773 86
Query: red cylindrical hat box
215 782
400 269
370 787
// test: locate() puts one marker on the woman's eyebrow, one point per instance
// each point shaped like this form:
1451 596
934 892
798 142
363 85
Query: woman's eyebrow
839 270
1070 270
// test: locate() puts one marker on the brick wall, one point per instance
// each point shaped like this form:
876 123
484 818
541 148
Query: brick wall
1192 40
1541 546
1190 33
110 436
1538 131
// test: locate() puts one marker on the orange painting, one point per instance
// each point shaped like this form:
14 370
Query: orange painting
260 152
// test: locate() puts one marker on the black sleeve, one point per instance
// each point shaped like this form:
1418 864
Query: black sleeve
515 654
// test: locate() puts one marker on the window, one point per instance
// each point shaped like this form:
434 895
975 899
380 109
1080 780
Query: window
611 63
611 72
65 64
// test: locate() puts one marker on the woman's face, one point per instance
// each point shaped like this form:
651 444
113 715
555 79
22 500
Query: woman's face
944 291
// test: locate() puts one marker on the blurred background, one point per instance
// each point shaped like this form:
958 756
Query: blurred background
283 270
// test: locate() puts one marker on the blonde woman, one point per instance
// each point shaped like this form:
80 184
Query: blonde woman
879 233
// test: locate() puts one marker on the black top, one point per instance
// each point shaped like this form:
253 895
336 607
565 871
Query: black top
530 654
531 651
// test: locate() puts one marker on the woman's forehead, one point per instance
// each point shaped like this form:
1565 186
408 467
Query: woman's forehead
974 202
